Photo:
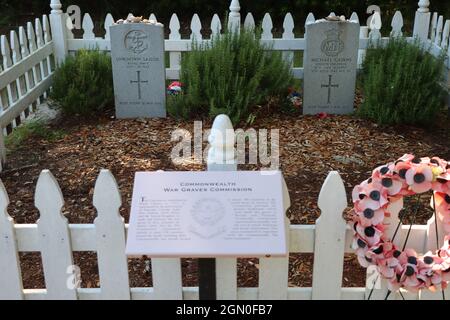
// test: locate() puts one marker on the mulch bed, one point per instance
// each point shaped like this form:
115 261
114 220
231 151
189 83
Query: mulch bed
309 148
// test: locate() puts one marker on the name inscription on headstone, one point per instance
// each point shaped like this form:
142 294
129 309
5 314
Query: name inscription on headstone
207 214
137 51
330 63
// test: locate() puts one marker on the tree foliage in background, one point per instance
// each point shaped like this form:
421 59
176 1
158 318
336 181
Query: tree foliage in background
402 84
230 75
83 84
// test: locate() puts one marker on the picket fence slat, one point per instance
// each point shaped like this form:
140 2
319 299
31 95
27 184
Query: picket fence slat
10 275
288 34
153 17
354 17
330 239
216 26
439 27
54 239
274 271
39 33
31 37
109 21
434 20
196 27
249 22
69 27
267 26
110 236
226 278
445 35
6 53
375 27
274 275
397 25
310 18
88 27
166 275
174 26
46 29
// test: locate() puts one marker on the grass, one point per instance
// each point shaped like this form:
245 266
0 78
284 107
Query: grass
30 129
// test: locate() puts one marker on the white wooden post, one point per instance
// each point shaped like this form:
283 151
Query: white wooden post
110 234
274 271
422 20
221 157
10 275
55 241
59 31
234 18
329 243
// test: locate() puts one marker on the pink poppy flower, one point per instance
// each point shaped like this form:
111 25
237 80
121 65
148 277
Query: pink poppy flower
371 234
406 158
419 178
363 260
372 196
443 209
387 267
442 183
385 175
409 277
371 217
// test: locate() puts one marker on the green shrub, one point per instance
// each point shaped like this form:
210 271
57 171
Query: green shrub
83 84
230 75
402 84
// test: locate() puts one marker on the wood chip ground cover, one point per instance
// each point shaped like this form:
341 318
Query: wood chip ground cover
309 149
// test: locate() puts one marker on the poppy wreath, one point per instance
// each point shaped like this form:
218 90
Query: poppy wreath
403 268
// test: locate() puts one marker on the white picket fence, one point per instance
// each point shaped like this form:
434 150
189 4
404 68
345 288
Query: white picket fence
329 239
25 73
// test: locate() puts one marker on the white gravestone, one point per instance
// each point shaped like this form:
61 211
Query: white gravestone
207 214
330 63
137 51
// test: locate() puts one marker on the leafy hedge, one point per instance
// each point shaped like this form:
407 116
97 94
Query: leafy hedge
230 75
402 83
83 84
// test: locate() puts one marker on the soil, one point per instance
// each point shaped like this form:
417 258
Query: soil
310 147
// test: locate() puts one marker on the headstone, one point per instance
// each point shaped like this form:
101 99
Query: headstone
330 63
207 214
137 51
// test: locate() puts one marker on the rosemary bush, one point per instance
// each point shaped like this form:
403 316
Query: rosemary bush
230 75
83 84
402 84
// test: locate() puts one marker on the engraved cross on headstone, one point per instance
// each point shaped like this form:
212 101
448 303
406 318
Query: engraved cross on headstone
329 86
139 81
